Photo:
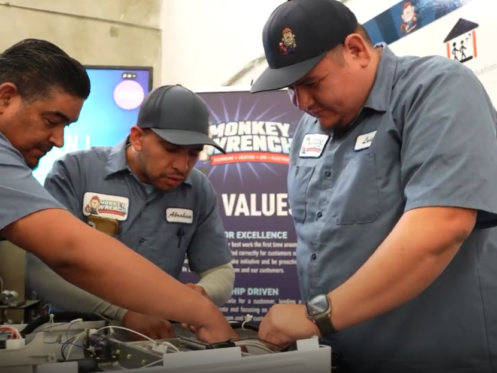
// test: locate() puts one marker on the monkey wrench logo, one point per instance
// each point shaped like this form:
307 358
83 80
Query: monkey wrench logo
249 141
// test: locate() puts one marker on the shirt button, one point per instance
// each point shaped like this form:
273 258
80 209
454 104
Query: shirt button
320 214
142 240
313 257
327 173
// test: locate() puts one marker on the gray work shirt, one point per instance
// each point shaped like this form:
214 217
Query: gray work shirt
20 193
425 137
161 226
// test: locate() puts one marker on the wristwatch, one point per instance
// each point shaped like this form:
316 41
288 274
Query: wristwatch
318 310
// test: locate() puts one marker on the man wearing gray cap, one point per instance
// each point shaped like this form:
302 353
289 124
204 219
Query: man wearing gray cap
392 185
146 193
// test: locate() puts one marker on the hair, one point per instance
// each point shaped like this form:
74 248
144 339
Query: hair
37 67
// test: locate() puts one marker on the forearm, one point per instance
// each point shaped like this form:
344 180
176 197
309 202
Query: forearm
408 261
218 283
136 278
63 295
108 269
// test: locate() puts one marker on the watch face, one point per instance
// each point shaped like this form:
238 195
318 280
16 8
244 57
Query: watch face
317 305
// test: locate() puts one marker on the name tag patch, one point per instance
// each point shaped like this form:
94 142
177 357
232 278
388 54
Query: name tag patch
313 145
364 141
179 215
105 206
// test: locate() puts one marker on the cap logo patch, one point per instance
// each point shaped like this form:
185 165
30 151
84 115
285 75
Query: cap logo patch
287 44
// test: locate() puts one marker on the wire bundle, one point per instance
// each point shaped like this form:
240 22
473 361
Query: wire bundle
14 333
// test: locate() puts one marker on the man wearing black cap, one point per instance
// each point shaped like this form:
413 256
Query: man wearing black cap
391 184
146 193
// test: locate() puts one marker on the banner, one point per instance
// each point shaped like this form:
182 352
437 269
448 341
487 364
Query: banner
462 30
407 17
251 184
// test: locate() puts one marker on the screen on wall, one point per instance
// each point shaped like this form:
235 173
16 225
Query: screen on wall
107 115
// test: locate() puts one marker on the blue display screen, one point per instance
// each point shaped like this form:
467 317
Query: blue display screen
107 114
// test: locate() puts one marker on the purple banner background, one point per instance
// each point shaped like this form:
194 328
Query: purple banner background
270 262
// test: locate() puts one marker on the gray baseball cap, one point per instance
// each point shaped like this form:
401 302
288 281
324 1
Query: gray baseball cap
178 115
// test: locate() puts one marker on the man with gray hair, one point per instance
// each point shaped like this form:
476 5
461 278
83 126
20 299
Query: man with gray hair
42 90
146 193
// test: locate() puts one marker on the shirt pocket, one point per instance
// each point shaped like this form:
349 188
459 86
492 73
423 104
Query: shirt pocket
298 184
356 197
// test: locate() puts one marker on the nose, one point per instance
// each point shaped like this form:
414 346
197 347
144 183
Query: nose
57 137
180 162
301 98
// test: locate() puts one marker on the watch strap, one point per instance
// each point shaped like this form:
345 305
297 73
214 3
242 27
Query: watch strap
325 326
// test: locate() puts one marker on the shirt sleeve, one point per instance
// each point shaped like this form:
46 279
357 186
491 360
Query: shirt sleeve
209 247
449 144
63 181
63 295
218 283
20 193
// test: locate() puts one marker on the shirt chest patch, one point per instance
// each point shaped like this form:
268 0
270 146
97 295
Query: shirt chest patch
179 215
313 145
105 206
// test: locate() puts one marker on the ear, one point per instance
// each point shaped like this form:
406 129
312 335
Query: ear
358 49
136 138
7 92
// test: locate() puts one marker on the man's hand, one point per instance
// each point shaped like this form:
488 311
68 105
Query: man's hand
152 327
200 290
285 324
219 331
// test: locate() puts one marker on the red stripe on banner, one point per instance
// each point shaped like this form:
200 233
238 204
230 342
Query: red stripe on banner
249 157
111 212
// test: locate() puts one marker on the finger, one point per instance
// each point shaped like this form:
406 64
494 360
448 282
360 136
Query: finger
166 334
171 332
193 329
138 337
184 326
153 335
263 328
276 341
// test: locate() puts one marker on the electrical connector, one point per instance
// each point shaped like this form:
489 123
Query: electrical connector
15 344
310 344
160 348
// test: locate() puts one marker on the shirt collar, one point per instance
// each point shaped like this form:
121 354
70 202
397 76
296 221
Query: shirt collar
116 161
379 97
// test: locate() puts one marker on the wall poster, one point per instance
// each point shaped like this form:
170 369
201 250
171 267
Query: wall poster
251 184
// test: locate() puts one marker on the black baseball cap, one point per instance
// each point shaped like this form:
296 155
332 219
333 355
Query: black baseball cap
178 115
297 36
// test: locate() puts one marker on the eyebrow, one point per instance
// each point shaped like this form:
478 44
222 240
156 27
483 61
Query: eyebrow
60 115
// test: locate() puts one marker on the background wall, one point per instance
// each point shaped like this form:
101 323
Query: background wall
205 43
96 32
